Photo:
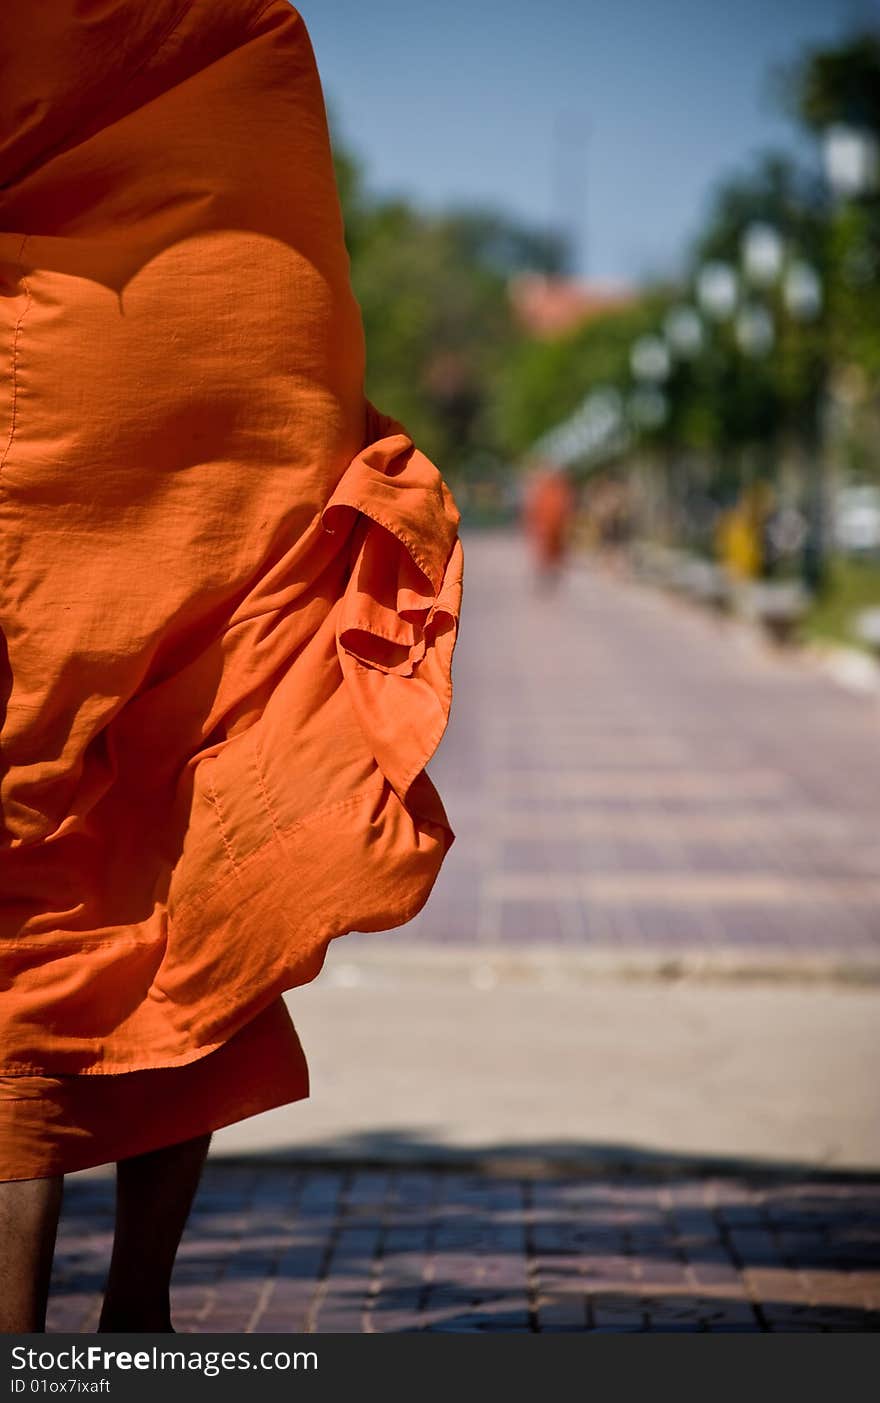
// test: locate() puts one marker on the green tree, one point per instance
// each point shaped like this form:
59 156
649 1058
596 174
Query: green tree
840 84
837 84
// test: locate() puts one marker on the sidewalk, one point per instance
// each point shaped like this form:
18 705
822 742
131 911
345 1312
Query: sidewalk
432 1066
360 1250
628 776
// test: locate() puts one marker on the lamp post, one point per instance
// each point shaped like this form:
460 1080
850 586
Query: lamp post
803 298
744 295
755 336
648 407
851 161
717 290
755 297
797 289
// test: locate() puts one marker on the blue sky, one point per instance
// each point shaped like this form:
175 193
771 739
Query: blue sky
490 100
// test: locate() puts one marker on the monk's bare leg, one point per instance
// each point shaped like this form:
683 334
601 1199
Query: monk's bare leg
29 1211
154 1194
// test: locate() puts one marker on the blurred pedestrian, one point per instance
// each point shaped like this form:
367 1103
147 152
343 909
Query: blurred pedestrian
548 512
229 595
740 533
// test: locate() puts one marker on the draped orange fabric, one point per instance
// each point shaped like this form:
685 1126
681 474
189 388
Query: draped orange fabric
230 586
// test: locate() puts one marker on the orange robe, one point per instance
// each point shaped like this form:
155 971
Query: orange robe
229 587
548 509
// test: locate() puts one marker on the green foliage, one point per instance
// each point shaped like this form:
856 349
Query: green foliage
839 84
438 326
542 382
854 287
853 585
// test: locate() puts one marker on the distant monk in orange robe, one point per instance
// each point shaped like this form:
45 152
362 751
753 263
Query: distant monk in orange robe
229 596
548 513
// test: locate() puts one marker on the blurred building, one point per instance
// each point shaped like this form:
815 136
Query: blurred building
548 305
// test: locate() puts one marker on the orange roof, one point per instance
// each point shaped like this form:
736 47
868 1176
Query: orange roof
548 305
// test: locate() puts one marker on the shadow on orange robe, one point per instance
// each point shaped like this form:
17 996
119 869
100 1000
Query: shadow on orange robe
229 586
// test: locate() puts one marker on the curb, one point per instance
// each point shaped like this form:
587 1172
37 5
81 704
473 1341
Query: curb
486 967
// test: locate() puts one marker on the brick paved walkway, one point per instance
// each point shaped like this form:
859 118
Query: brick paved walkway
625 772
360 1250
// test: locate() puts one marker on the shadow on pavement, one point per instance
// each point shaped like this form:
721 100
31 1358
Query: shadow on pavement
394 1147
402 1236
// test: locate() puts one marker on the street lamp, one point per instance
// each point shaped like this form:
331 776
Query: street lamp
595 428
755 334
683 330
649 359
851 156
802 291
762 252
648 407
717 290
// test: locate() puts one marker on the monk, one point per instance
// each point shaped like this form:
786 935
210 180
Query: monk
229 596
548 511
